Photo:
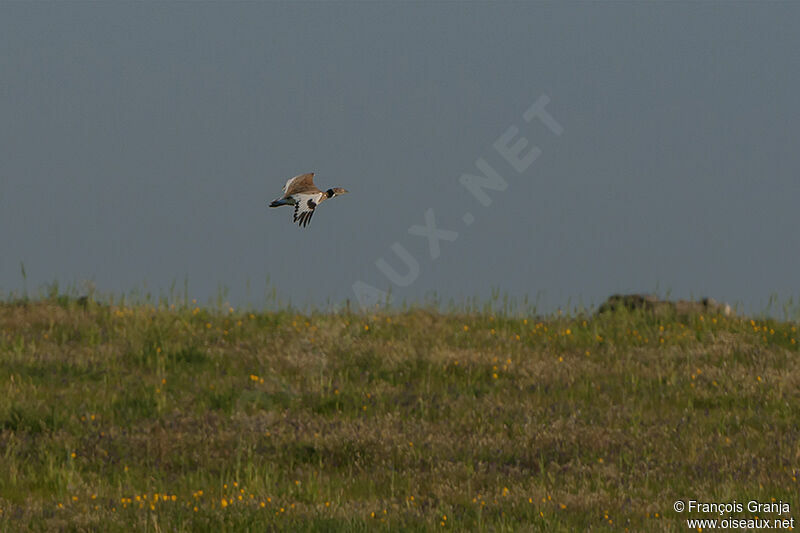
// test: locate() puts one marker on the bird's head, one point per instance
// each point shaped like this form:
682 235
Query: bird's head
336 191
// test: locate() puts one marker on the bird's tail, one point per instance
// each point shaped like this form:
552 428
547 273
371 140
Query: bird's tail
279 202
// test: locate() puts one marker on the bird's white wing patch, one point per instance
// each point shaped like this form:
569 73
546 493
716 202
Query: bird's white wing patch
304 207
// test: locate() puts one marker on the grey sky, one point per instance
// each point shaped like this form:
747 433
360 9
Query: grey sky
141 143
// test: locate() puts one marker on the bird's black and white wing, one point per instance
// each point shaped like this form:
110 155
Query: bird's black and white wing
304 208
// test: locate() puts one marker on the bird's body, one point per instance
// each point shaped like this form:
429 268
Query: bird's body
301 192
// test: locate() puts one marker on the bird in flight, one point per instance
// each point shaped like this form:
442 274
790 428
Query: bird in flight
301 192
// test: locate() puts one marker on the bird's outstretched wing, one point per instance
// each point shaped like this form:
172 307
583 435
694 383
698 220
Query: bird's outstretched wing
304 208
300 184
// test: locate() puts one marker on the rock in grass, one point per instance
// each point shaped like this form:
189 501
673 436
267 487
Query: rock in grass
651 303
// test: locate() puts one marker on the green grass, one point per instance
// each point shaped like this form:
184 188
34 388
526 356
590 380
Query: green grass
116 418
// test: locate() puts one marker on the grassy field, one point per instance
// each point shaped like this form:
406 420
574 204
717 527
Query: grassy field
166 418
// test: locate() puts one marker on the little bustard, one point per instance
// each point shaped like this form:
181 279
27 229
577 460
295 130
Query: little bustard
301 192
